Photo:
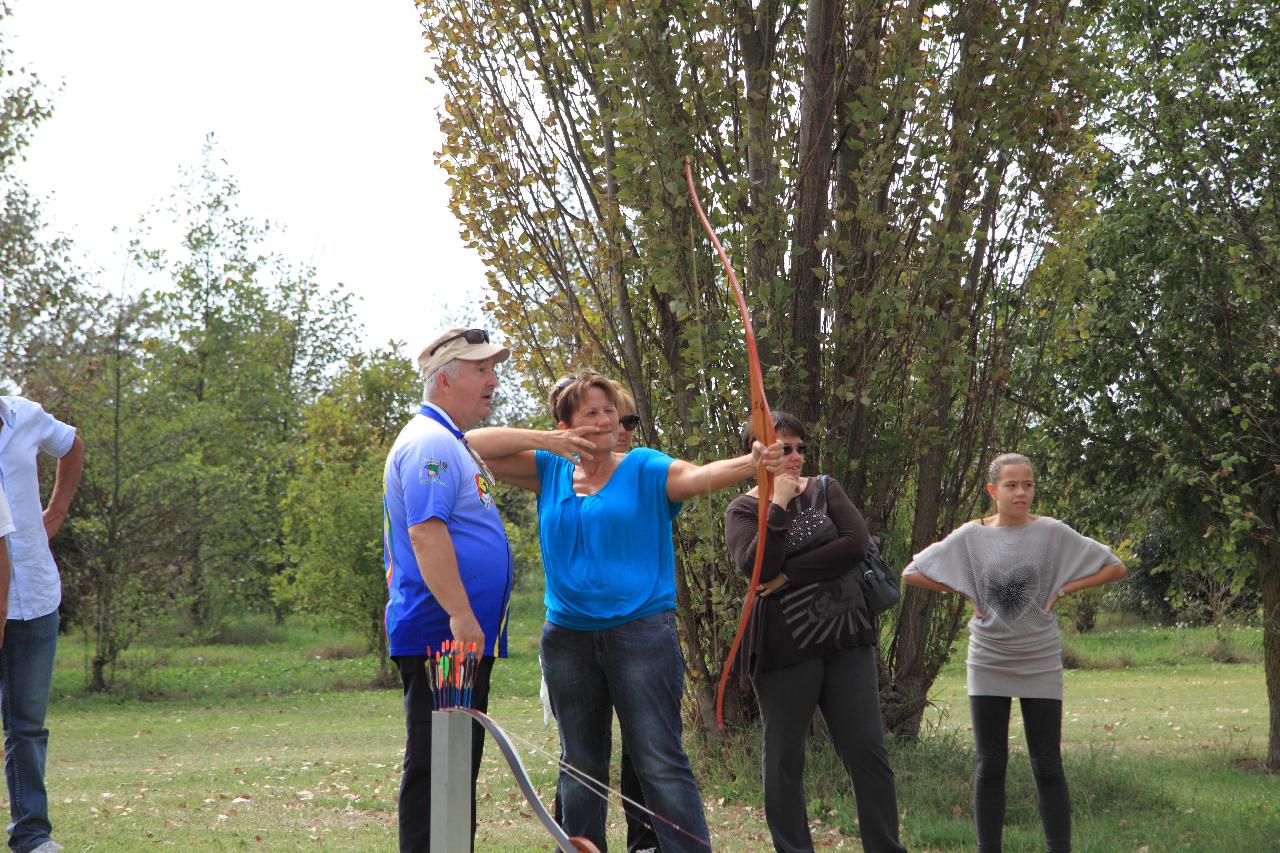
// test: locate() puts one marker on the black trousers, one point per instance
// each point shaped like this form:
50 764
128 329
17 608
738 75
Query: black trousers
415 785
844 685
1042 721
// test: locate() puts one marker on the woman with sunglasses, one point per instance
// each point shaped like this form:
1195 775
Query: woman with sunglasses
628 420
812 644
609 644
627 425
640 833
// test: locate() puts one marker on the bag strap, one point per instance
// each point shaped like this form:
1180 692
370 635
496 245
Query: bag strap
822 493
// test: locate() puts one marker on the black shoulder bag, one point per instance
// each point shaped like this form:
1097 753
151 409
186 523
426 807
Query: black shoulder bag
879 583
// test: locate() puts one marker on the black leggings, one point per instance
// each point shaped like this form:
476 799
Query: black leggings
1042 721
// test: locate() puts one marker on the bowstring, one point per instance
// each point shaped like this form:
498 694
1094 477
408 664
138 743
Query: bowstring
595 786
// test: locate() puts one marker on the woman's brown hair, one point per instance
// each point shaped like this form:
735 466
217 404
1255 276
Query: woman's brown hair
782 422
566 395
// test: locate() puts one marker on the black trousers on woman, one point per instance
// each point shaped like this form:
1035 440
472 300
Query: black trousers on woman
1042 721
844 686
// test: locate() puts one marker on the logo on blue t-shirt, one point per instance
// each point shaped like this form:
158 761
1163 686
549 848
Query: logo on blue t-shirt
431 470
484 491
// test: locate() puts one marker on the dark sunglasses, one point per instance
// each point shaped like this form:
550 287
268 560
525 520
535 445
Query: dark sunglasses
473 336
629 422
787 448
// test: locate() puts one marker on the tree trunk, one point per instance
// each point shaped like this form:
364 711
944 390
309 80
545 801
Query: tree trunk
1269 577
613 226
379 633
911 671
813 185
757 39
701 682
98 678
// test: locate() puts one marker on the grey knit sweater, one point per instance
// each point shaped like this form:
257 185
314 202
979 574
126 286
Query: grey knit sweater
1011 573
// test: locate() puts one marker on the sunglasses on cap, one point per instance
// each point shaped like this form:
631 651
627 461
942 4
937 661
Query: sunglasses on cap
473 336
629 422
788 448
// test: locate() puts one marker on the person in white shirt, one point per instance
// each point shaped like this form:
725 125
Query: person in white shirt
34 593
6 527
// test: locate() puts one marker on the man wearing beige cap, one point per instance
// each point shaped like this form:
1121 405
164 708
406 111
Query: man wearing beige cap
448 564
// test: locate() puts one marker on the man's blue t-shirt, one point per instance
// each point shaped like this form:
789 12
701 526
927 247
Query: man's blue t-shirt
430 474
608 556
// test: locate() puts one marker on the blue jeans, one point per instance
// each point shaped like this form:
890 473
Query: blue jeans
26 672
637 671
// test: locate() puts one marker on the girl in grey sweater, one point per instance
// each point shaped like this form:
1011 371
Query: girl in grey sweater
1013 567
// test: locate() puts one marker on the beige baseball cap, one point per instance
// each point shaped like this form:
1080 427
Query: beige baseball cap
466 344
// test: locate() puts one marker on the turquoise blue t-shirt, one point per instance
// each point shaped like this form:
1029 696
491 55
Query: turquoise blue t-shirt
608 556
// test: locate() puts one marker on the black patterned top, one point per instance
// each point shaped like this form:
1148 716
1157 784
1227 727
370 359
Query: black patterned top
812 624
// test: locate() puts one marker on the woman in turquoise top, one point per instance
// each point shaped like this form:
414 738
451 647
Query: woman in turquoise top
609 643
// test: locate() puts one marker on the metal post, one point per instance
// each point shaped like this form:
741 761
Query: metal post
450 781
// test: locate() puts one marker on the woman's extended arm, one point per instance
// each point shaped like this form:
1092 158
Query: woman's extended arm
686 480
509 451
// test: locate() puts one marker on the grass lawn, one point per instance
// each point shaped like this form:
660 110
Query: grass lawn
277 742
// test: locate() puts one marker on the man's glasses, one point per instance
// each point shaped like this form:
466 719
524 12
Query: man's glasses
787 449
473 336
629 422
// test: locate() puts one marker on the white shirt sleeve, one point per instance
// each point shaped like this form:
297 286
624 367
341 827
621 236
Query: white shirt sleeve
56 437
6 519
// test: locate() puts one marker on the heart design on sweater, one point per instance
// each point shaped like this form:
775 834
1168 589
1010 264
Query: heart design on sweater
1014 594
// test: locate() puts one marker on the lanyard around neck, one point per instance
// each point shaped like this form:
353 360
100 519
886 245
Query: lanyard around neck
435 415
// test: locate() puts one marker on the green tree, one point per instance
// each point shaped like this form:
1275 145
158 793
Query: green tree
248 340
332 507
1168 400
894 179
127 547
40 306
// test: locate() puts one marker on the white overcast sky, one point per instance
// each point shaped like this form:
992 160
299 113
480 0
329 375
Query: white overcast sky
320 108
